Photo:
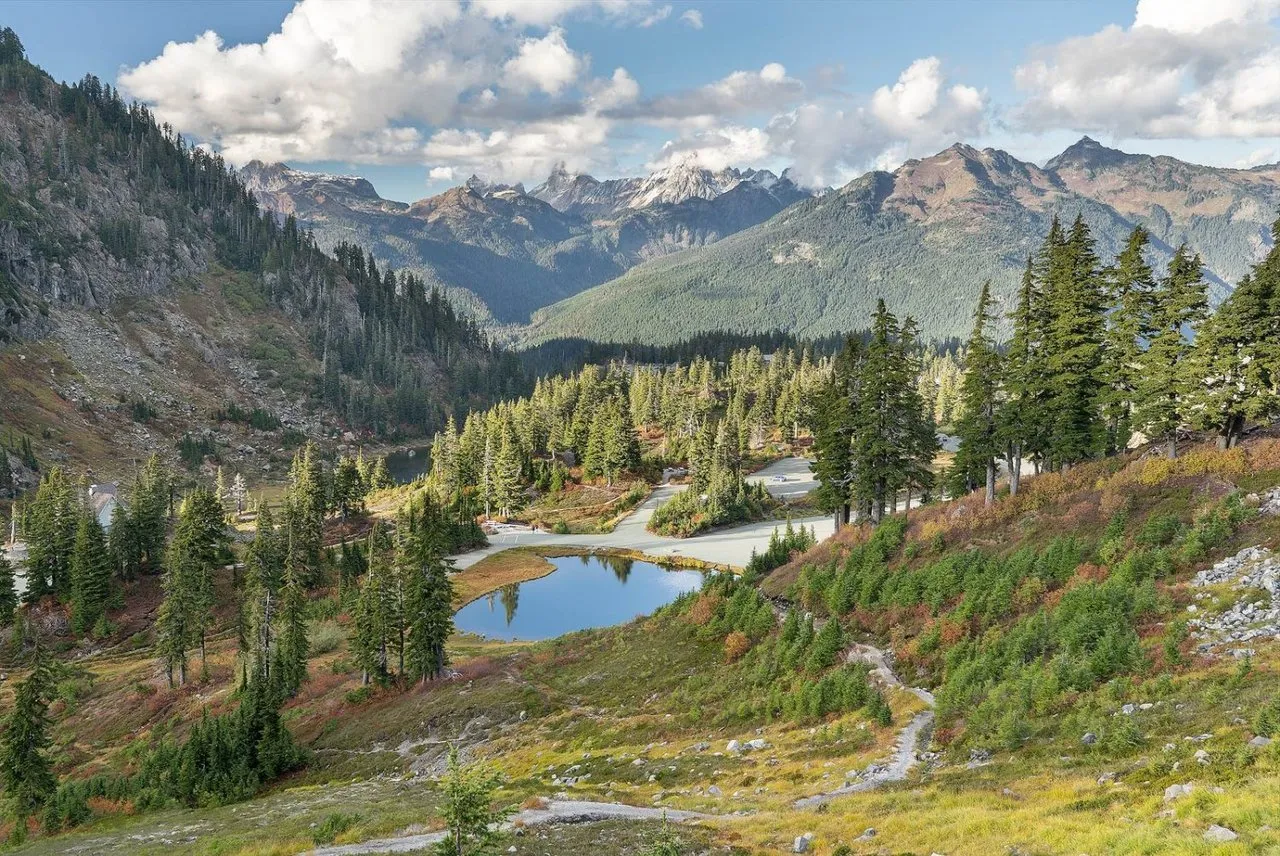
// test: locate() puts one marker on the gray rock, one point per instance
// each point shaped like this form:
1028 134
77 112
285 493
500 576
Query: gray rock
1089 738
1219 834
802 842
1174 792
1260 741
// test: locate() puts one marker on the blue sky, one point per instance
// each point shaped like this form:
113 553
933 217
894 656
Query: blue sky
417 96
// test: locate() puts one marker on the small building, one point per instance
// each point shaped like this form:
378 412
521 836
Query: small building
103 501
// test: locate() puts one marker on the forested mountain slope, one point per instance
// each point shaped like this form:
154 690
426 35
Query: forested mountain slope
924 238
502 252
143 291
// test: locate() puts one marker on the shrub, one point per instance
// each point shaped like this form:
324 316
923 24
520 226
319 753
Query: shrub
736 645
334 825
324 637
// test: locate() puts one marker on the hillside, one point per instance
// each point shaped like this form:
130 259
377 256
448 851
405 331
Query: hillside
925 237
503 253
144 294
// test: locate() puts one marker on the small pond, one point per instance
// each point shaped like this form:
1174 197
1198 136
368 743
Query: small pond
405 465
582 592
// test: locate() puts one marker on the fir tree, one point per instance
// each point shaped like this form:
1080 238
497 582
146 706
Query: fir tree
975 461
1074 347
369 643
1177 306
25 770
292 648
1130 287
8 593
187 610
91 568
264 574
51 522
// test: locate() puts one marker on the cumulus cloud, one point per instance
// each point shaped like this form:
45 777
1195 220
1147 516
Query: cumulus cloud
738 93
547 63
1180 70
496 87
830 139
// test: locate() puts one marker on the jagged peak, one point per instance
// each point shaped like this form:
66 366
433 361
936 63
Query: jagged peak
1088 152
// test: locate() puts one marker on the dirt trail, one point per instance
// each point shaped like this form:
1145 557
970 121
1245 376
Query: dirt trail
909 738
556 811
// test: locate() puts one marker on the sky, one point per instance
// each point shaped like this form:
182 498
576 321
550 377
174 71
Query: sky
418 95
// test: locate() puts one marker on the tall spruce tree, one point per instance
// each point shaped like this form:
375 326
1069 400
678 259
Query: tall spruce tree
52 519
25 769
8 593
1074 348
91 568
975 461
1177 306
292 649
372 623
264 576
187 610
832 417
1130 293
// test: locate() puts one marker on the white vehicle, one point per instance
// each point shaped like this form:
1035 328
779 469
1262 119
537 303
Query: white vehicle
779 478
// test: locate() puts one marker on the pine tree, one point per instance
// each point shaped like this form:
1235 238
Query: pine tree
1020 418
348 488
978 428
91 568
833 428
471 825
124 545
429 596
1177 306
25 770
507 486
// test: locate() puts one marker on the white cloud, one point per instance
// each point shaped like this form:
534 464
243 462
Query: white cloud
832 138
1190 70
657 16
495 87
692 17
547 63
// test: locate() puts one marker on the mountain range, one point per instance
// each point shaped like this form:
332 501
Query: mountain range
660 257
925 237
503 252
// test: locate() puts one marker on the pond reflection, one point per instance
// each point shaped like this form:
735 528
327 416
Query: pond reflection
584 591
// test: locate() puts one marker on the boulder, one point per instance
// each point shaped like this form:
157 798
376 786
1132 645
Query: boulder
802 842
1173 792
1219 834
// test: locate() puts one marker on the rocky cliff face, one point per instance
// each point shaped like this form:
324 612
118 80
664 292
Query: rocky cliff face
77 235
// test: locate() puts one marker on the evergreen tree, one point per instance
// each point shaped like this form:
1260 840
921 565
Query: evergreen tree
8 593
1231 372
975 461
292 649
264 575
187 610
1130 287
833 428
348 488
472 826
238 493
124 544
507 484
1177 306
51 522
91 568
369 643
429 598
1020 418
1074 347
25 770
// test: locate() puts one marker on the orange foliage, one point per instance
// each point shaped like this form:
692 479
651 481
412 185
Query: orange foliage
704 608
736 645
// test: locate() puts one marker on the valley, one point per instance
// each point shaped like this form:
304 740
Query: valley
692 510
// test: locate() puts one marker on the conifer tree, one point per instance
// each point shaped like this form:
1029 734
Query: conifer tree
1130 287
833 428
507 487
1230 373
292 648
187 610
91 568
51 522
1074 347
264 575
124 545
975 461
1177 305
8 593
25 770
429 599
348 488
369 644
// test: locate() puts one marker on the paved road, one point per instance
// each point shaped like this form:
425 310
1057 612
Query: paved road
556 811
723 546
